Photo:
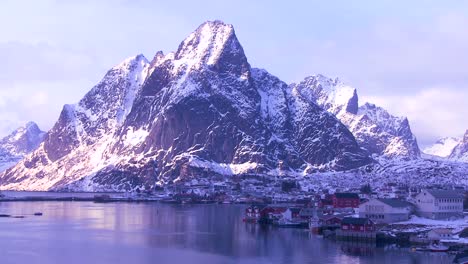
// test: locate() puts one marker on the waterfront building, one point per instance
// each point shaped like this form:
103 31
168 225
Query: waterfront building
440 204
386 210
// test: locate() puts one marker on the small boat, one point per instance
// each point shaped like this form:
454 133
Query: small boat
286 223
419 249
38 214
438 248
18 216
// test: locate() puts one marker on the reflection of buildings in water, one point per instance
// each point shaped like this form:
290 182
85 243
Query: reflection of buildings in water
357 248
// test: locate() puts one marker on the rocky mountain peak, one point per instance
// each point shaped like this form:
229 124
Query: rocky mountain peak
332 94
19 143
376 130
460 151
23 140
197 112
213 44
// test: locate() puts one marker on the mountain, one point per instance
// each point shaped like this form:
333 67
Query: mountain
443 147
201 111
460 151
376 130
20 142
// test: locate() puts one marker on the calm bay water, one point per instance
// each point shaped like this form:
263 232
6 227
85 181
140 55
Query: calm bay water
86 232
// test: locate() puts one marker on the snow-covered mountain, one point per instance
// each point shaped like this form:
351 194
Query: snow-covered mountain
460 151
377 131
201 111
443 147
20 142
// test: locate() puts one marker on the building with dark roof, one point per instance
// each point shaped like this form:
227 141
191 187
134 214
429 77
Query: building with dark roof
386 210
440 204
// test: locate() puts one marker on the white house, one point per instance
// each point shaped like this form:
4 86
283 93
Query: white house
439 234
386 210
440 204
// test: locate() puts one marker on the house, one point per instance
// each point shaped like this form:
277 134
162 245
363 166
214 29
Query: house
345 200
307 212
386 210
275 212
330 220
440 204
355 224
440 234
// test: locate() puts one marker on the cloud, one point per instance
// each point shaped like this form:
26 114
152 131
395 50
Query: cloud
433 112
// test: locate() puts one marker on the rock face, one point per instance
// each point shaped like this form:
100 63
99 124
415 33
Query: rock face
197 112
377 131
19 143
460 151
443 147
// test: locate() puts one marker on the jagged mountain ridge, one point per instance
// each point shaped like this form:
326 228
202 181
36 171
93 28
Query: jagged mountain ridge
460 151
377 131
19 143
199 111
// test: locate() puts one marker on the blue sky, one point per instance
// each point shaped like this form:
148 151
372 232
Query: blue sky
407 56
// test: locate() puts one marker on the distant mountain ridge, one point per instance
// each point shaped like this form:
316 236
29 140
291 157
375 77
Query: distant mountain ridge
460 151
19 143
377 131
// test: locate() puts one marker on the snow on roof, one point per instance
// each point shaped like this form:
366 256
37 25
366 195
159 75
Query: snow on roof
445 193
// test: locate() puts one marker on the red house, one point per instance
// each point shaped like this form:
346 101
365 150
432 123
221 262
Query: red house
272 210
345 200
357 224
330 220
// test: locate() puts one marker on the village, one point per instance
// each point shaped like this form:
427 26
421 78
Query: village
430 220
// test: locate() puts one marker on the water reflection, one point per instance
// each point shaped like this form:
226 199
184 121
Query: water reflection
86 232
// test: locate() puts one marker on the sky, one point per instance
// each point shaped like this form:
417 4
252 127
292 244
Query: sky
409 57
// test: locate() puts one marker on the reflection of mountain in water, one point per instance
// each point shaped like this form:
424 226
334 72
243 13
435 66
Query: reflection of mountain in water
87 232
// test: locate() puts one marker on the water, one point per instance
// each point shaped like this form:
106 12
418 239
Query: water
86 232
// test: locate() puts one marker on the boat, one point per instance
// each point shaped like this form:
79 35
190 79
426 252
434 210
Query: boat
287 223
438 248
38 214
419 249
